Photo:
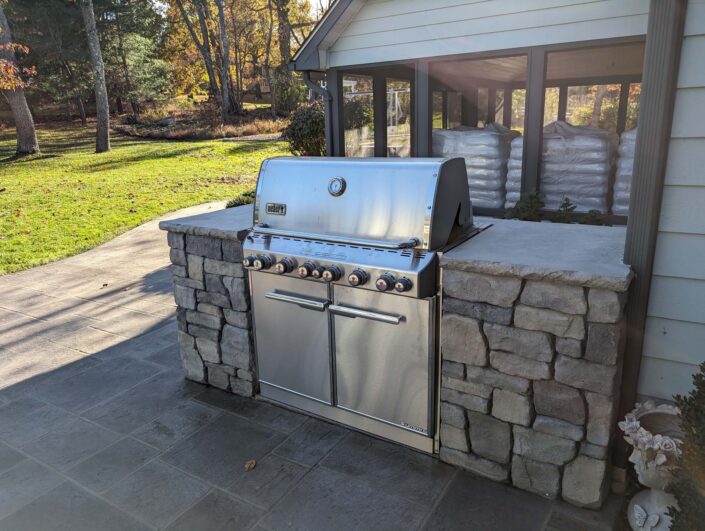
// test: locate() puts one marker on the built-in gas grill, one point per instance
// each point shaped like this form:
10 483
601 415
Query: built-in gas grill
344 280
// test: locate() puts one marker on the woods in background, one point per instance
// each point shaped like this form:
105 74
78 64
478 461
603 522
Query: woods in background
150 51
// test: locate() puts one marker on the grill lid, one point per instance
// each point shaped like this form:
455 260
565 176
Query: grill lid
395 203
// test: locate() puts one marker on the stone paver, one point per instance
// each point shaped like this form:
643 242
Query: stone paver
98 430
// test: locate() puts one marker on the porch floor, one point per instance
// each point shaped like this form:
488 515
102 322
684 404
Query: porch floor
99 430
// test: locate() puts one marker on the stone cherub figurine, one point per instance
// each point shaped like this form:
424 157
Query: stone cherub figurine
655 434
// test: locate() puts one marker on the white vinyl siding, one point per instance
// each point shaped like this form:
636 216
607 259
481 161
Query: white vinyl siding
674 342
394 30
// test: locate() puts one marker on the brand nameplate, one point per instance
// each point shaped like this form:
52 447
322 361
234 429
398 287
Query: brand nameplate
277 209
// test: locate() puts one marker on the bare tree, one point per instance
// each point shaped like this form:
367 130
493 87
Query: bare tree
102 137
225 102
202 42
24 124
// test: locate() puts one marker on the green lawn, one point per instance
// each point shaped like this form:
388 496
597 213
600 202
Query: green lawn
69 199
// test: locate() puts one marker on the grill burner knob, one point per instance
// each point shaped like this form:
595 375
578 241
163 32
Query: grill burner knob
285 265
317 272
249 261
262 262
306 269
403 284
331 273
385 282
358 277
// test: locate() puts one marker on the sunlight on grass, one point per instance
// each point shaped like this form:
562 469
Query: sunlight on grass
68 199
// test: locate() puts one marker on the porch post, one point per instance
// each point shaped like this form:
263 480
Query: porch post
421 120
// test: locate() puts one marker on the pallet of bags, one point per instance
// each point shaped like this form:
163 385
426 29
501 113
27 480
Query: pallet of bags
513 186
576 163
623 176
486 152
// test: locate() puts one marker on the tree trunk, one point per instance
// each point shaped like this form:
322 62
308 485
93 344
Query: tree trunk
81 110
203 47
24 123
597 107
118 105
225 62
284 37
102 137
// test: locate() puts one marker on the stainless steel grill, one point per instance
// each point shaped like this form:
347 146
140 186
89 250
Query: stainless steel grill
344 280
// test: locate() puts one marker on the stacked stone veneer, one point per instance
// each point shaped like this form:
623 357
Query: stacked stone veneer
212 297
529 386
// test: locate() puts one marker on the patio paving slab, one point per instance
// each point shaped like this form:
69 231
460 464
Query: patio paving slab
217 511
70 507
157 493
109 466
98 429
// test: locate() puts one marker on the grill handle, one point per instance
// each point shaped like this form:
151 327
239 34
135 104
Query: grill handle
406 244
311 304
348 311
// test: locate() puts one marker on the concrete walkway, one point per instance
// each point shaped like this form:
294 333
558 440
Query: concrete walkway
99 430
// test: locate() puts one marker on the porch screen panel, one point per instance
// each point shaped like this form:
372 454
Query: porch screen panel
475 105
587 158
358 115
398 118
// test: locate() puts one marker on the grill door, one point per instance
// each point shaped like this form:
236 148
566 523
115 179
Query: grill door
383 356
292 335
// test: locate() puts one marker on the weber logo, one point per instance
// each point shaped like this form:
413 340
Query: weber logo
277 209
412 427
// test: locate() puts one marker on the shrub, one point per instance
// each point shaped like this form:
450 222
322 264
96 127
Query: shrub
245 198
528 208
306 130
357 113
565 211
593 217
689 483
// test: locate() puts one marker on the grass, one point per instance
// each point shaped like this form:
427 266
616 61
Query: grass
67 199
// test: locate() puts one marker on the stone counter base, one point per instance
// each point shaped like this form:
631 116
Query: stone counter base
529 385
211 293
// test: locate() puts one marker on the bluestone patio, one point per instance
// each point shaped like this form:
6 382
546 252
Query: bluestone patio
99 429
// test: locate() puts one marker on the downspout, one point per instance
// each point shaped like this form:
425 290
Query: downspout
327 112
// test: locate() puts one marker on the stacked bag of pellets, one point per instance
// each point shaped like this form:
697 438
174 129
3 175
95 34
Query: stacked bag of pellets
513 186
486 152
576 163
623 176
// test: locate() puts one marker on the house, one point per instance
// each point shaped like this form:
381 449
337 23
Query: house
454 63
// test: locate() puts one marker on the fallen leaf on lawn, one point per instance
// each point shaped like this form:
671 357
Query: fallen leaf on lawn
249 465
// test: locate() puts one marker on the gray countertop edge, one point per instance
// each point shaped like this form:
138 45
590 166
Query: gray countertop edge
187 228
577 278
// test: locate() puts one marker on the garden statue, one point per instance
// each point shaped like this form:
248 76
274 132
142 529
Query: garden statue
655 434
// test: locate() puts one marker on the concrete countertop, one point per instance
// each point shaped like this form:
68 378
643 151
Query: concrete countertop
582 255
228 223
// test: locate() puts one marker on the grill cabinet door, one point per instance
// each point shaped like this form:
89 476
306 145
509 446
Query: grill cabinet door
383 369
292 335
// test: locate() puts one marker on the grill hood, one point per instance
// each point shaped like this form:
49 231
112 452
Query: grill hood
394 203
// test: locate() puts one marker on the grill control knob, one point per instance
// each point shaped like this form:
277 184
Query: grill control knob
403 284
358 277
249 261
262 262
385 282
317 272
306 269
331 273
285 265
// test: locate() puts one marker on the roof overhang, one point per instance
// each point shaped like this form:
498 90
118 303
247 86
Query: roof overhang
313 53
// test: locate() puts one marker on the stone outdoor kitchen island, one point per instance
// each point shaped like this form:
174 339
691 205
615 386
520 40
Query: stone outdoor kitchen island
532 338
532 335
